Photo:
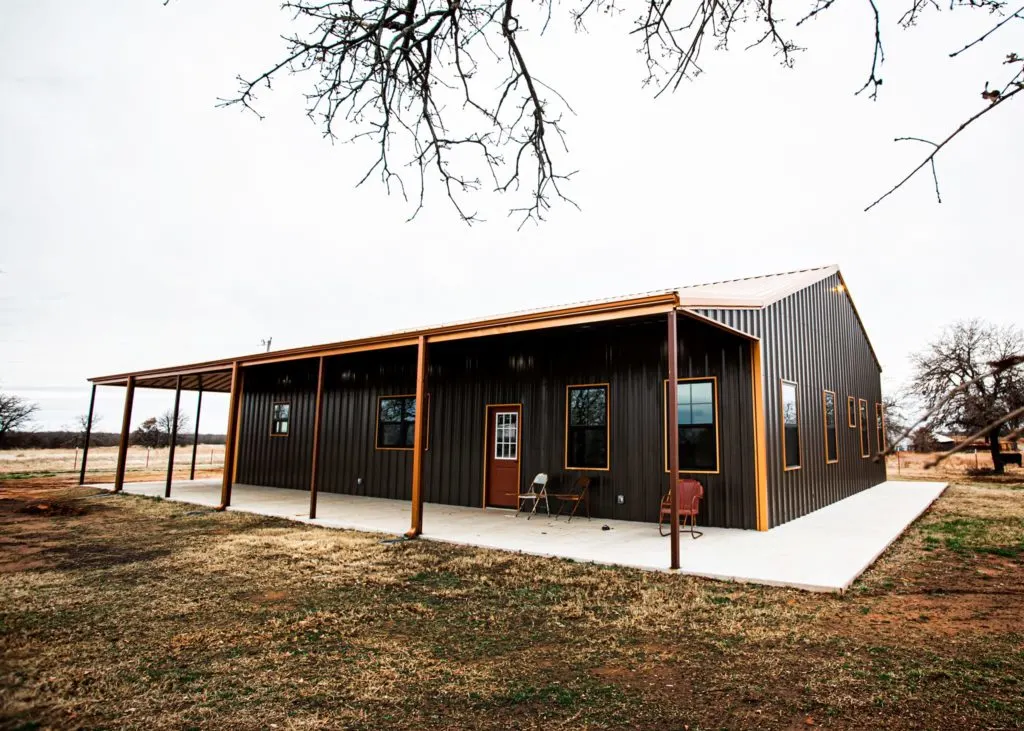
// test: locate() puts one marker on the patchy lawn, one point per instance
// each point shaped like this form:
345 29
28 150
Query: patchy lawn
128 612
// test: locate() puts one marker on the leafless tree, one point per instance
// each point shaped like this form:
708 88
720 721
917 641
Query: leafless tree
445 88
82 427
894 406
971 379
165 421
15 414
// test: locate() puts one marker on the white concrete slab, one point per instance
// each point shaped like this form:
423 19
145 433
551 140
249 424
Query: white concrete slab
824 551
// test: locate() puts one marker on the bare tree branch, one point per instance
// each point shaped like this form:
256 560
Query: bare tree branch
446 93
930 160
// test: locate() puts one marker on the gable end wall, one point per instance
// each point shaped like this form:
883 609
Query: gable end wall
815 338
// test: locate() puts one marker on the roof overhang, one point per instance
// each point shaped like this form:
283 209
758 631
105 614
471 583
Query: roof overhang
215 375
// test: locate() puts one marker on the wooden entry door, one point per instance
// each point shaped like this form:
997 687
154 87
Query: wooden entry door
502 468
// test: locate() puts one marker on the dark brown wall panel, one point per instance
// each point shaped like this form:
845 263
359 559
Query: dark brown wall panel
814 338
532 369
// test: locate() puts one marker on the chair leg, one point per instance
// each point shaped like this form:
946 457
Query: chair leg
547 505
575 507
533 511
661 525
694 533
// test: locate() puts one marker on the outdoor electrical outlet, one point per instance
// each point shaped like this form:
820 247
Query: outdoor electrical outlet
359 480
620 499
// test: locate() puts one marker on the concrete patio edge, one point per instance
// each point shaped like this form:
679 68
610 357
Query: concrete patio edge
824 551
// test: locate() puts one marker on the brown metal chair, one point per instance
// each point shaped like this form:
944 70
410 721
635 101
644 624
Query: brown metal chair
537 491
689 493
578 493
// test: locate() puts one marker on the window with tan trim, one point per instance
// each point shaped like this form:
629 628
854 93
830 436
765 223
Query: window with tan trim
396 422
865 441
586 427
280 419
697 422
880 427
830 419
851 412
789 403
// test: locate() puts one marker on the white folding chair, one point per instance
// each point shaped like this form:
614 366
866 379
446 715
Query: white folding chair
537 491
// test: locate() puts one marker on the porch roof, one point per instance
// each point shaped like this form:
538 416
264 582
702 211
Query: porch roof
215 375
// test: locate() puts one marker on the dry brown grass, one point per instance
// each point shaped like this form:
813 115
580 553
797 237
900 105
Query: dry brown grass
958 467
103 460
127 612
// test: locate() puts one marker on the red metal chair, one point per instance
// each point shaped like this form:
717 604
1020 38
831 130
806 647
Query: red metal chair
689 493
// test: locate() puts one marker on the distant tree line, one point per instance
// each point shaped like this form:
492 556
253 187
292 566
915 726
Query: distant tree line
69 439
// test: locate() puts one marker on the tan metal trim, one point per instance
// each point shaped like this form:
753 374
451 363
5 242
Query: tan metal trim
824 425
579 314
782 424
862 428
880 436
760 438
418 441
544 324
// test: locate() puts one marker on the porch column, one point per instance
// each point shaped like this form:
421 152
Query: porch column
760 438
88 433
195 437
419 432
126 422
673 434
234 405
173 437
313 475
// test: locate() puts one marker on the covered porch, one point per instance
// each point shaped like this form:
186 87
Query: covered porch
329 398
823 551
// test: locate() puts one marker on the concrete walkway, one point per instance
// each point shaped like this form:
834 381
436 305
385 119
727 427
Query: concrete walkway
823 551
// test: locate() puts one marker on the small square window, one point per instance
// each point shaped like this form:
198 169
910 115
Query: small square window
280 420
396 422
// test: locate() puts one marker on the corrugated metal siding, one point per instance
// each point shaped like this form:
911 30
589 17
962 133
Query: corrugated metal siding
278 461
532 369
813 337
744 320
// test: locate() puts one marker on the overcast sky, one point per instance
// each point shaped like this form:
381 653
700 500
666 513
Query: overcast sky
141 226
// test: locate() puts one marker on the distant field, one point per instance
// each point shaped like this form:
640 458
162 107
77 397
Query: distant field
959 467
142 463
150 464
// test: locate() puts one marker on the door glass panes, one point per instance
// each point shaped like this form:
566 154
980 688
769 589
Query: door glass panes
506 435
